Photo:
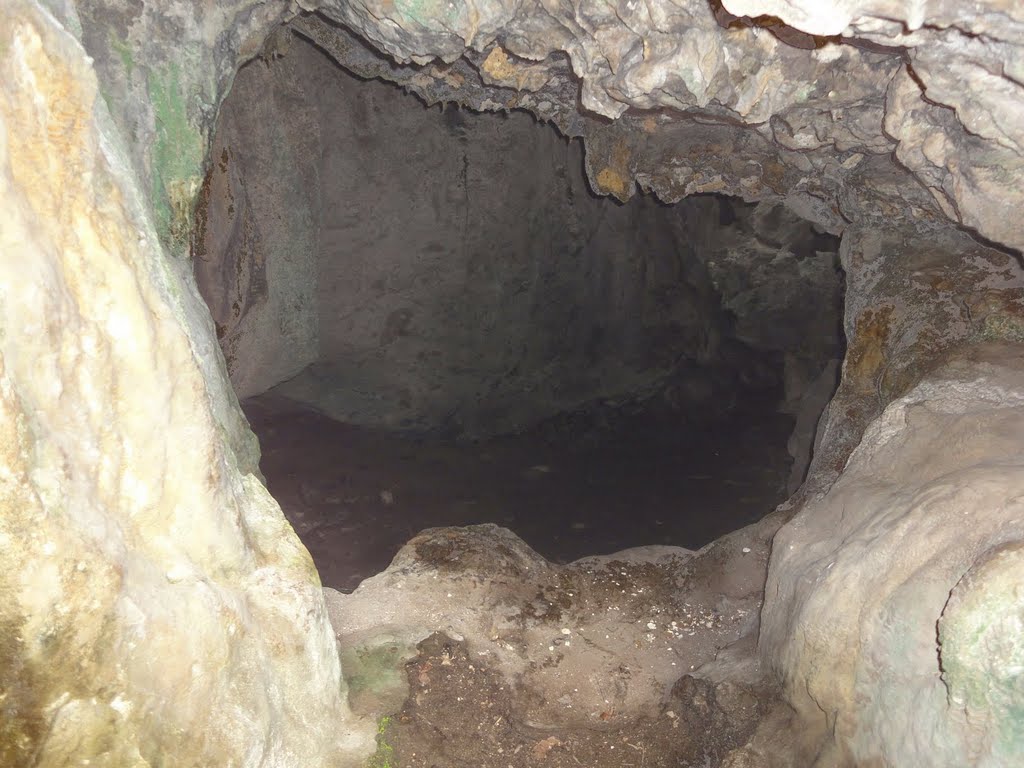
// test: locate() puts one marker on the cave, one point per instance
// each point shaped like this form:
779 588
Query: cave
469 332
445 384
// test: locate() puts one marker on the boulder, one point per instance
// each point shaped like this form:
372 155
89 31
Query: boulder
893 604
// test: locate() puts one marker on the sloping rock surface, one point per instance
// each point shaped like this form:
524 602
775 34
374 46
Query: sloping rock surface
889 615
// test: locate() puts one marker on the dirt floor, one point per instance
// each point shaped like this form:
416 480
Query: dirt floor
583 484
604 651
471 650
459 714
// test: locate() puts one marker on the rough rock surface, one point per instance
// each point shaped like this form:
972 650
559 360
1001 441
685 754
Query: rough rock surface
254 248
897 240
707 101
908 302
778 277
127 460
889 614
469 279
572 643
157 608
955 106
801 92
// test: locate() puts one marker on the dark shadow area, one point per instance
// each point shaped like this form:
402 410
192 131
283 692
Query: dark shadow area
582 484
431 320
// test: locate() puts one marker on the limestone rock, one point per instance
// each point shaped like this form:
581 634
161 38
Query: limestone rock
431 283
611 632
922 530
956 127
157 608
981 654
907 303
955 108
144 562
810 100
255 245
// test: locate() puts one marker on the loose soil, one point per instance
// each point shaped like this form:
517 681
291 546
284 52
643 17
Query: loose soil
460 714
588 483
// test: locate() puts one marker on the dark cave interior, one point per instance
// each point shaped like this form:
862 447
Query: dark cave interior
431 320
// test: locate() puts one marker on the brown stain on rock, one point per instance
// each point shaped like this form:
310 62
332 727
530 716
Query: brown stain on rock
773 175
228 263
498 65
866 356
616 177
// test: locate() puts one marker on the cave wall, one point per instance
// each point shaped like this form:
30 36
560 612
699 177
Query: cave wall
909 302
820 106
464 274
780 281
889 146
157 608
467 277
823 154
891 621
257 228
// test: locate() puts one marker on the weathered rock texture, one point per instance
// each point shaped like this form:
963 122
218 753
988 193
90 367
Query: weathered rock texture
572 642
811 103
908 301
846 184
256 239
157 608
706 101
734 104
468 278
889 613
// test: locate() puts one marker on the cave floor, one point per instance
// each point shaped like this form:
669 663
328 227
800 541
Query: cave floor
582 484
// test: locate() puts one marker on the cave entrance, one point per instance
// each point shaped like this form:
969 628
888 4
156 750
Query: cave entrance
430 320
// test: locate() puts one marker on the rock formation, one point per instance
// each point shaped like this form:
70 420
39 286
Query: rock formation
159 610
469 280
881 578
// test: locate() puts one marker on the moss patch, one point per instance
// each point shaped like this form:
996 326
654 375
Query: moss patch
982 649
124 51
375 674
384 756
177 158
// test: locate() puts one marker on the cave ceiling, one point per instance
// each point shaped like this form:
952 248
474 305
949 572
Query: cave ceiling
873 113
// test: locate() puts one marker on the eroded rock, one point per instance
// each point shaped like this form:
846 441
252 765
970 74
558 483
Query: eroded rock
468 280
572 643
921 532
818 98
157 593
908 303
157 608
